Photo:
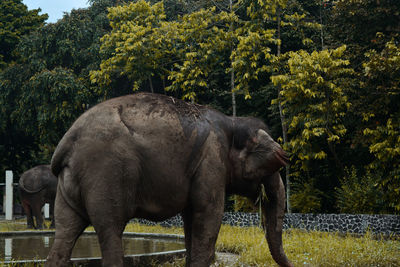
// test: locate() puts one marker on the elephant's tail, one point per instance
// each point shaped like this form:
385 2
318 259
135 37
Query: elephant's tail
61 155
24 188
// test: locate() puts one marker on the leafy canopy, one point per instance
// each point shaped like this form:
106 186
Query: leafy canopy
15 21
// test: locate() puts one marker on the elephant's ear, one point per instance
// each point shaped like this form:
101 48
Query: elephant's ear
261 156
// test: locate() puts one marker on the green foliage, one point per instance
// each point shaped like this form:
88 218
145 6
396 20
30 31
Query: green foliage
243 204
17 149
143 45
15 21
305 197
205 42
363 19
360 194
61 96
357 23
313 96
134 43
48 87
382 120
257 40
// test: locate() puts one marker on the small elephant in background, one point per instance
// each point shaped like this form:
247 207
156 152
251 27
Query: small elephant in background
37 186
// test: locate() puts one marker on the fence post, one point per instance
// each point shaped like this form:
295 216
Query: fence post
9 195
46 209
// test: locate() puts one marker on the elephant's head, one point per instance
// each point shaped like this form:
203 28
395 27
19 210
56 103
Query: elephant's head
261 156
254 154
256 159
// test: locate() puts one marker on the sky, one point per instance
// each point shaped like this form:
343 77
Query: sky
55 8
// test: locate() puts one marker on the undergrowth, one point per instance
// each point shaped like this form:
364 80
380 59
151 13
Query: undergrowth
302 248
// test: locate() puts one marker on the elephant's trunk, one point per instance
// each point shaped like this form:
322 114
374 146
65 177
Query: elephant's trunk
273 214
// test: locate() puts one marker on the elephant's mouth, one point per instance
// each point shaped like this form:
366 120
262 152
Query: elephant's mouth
282 157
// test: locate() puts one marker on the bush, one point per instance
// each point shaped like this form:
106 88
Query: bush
305 197
360 194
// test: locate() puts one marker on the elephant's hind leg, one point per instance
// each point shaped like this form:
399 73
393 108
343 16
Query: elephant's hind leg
109 223
110 239
37 213
28 211
69 226
107 212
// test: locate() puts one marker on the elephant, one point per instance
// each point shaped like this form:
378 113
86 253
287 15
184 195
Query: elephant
36 187
153 156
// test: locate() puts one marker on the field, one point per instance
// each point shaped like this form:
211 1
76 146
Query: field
303 248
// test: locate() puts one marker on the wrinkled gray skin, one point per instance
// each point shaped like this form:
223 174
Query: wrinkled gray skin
152 156
36 187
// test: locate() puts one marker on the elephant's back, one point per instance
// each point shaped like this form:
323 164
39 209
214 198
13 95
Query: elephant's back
151 121
36 179
136 117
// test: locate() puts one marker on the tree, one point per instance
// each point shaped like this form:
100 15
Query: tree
271 27
136 45
381 115
16 21
62 97
360 193
47 86
314 99
144 46
17 149
356 23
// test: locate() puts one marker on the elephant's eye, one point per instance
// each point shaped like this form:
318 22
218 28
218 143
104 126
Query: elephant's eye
260 149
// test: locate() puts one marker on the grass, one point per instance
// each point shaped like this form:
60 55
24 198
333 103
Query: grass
310 248
302 248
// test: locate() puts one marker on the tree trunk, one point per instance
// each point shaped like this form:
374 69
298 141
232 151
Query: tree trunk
322 25
233 94
151 85
163 84
283 120
232 72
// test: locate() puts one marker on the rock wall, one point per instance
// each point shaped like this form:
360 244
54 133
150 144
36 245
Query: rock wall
342 223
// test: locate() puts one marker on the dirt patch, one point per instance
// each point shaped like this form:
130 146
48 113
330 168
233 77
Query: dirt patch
225 259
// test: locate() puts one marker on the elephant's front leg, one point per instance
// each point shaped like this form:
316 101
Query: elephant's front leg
205 230
187 226
207 208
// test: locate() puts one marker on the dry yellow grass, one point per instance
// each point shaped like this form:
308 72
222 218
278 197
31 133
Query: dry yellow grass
310 248
303 248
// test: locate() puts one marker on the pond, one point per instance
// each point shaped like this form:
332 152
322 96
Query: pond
22 247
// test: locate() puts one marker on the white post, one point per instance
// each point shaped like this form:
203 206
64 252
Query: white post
8 249
3 191
46 209
46 241
9 195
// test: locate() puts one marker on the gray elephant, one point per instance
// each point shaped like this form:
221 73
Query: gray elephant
36 187
152 156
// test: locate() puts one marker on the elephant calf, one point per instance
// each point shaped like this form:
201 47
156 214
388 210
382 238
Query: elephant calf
36 187
152 156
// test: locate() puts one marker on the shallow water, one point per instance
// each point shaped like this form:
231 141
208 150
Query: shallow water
37 247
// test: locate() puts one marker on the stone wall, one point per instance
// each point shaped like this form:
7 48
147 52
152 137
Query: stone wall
342 223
